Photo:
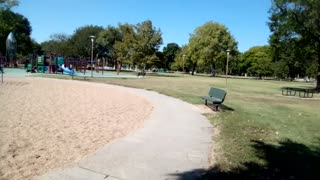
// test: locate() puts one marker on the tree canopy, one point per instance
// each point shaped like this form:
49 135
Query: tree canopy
20 26
148 41
207 48
170 52
257 61
81 41
295 24
135 45
59 43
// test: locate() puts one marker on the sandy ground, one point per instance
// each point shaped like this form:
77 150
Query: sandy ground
45 124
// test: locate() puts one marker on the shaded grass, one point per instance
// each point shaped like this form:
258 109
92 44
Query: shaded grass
260 114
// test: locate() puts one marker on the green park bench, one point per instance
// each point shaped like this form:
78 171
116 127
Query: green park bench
303 92
216 96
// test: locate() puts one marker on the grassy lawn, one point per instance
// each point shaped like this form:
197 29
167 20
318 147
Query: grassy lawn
262 134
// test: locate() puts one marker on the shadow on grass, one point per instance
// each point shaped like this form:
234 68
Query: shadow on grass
221 108
288 160
226 108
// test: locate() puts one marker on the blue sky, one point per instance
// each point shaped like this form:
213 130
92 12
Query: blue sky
245 19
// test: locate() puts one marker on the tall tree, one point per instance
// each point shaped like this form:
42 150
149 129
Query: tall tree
107 39
81 40
257 61
148 41
182 60
291 19
170 51
58 43
208 45
124 47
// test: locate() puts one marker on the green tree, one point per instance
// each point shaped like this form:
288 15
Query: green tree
81 41
36 47
207 47
182 60
257 61
147 42
294 54
59 44
124 47
291 19
106 40
20 26
281 69
170 51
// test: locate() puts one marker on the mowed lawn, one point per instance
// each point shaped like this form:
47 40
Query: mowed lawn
262 134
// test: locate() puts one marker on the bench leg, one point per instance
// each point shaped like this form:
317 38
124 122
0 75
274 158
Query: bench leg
206 103
311 95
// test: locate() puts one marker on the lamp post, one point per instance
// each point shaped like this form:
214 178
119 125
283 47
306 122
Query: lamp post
227 66
92 40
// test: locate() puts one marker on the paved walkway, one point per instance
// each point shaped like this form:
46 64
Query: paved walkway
175 139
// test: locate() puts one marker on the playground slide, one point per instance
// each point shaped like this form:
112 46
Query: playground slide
66 70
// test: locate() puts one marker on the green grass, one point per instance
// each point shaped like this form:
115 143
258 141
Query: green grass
258 121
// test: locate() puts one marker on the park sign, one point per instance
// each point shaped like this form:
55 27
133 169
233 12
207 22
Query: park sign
11 47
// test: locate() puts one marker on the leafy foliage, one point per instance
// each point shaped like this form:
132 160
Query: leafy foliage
170 52
257 61
107 39
20 26
207 48
124 47
148 41
132 45
59 44
81 41
295 24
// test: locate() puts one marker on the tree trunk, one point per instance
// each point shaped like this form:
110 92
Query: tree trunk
119 65
318 73
318 80
193 68
213 70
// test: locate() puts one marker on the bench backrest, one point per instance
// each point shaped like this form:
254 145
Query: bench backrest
217 93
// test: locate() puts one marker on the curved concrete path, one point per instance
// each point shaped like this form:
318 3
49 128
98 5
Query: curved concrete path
175 139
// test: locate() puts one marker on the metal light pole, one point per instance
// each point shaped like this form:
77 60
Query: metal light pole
228 52
92 40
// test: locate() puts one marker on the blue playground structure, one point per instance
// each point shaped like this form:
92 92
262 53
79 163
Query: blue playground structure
66 70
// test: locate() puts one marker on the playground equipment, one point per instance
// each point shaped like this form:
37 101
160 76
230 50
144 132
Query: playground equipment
79 64
11 50
49 63
30 62
66 70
